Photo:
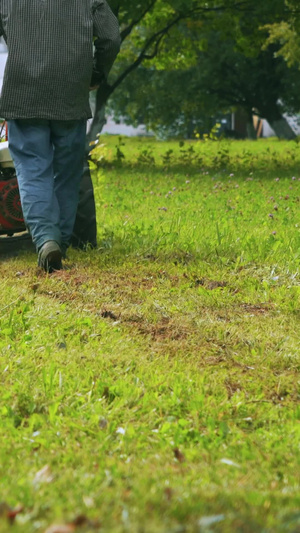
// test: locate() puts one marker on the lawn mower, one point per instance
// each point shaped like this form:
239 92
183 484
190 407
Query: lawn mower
13 232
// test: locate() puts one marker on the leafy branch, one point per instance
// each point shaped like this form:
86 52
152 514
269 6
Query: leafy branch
127 31
152 46
156 39
153 40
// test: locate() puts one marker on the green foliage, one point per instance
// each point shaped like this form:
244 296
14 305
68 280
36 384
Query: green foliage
285 32
169 34
209 63
288 38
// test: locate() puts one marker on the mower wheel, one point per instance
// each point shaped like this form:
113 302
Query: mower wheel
12 245
85 228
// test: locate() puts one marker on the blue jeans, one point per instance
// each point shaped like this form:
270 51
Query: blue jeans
48 156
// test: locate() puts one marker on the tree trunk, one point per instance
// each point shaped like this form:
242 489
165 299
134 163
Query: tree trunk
282 128
251 132
103 93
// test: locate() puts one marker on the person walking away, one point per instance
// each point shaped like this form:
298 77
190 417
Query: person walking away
50 69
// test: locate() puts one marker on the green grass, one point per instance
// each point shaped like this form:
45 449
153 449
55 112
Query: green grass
156 380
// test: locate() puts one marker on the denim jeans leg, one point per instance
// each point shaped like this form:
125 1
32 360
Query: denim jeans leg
32 153
68 139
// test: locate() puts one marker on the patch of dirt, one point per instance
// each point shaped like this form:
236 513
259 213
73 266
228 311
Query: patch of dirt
161 331
259 309
119 282
232 387
67 276
215 360
108 314
210 284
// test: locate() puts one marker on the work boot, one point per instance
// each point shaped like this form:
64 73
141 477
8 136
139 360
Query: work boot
50 256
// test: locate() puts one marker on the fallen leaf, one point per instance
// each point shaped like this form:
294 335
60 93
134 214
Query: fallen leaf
207 521
210 284
80 520
103 423
108 314
43 476
88 501
8 512
168 493
62 346
229 462
179 455
12 513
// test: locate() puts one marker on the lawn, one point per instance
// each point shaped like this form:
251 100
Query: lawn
153 385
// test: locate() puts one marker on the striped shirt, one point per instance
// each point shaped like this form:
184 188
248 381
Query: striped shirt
51 63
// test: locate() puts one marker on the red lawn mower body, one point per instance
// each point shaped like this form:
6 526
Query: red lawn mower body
11 216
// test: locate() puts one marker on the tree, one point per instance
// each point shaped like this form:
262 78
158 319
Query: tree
144 28
286 33
176 35
226 69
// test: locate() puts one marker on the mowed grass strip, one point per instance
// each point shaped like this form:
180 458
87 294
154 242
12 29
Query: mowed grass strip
153 386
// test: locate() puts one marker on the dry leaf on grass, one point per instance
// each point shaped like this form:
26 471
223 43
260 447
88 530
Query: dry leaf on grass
229 462
8 512
207 521
179 455
43 476
108 314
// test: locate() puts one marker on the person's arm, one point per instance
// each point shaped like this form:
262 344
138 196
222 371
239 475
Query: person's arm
107 41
